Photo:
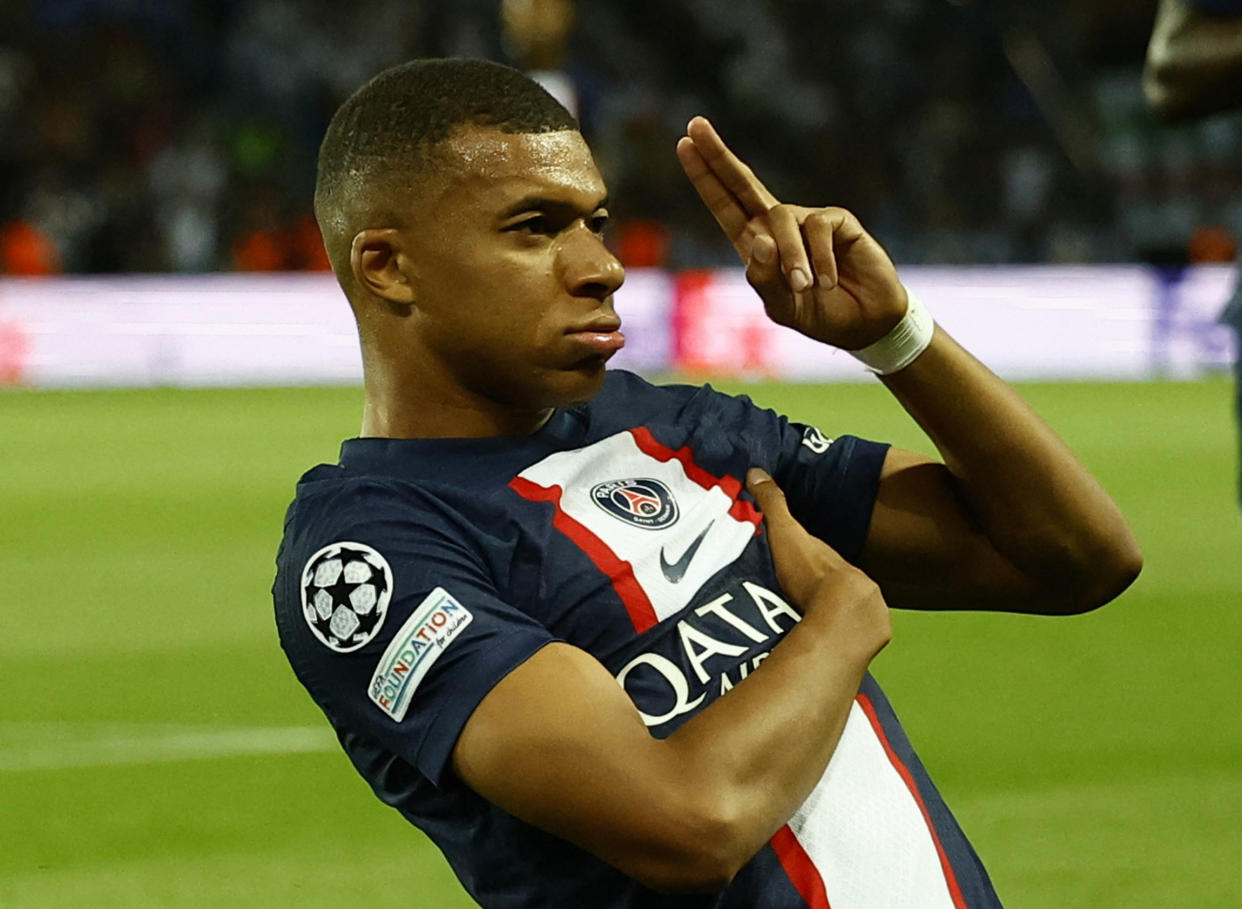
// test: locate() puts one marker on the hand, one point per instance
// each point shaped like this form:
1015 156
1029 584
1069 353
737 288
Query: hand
816 269
817 578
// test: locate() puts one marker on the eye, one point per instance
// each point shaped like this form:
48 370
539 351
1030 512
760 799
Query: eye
536 224
598 222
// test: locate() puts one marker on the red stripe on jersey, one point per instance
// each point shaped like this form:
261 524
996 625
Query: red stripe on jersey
619 571
799 868
730 486
949 877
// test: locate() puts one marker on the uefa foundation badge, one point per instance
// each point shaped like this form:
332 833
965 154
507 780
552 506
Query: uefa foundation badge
346 588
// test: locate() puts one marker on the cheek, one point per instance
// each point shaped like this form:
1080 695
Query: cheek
492 296
513 302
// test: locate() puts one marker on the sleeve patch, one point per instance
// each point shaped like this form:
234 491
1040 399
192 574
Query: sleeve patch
416 646
345 592
815 440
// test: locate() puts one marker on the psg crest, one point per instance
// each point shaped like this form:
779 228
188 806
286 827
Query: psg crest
345 592
642 502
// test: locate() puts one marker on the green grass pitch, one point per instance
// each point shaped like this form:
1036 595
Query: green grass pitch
155 749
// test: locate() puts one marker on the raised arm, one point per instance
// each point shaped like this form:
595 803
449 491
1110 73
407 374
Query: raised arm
1010 520
1194 59
558 744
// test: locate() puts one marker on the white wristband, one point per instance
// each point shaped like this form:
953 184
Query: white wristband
901 346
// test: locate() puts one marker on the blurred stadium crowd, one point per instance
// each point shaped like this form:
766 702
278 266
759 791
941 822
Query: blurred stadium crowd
180 135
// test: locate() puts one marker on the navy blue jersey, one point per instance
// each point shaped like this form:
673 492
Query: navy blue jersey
416 574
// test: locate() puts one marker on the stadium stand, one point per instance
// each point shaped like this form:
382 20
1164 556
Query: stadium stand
181 136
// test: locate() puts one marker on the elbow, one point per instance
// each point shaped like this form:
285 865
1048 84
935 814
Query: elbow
701 854
1117 574
696 874
1061 580
1170 102
1102 578
1157 91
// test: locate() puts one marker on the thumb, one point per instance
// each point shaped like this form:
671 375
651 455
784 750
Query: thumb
763 272
769 496
763 263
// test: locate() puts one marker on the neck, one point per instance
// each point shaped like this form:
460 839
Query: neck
410 394
392 411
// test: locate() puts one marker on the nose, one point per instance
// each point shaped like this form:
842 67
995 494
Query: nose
588 267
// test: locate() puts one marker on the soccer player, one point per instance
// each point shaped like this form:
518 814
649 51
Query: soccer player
1193 70
605 642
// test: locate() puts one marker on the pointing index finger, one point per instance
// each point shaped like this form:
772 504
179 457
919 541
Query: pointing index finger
732 173
719 201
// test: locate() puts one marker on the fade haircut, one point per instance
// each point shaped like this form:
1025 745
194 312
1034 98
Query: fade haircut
383 137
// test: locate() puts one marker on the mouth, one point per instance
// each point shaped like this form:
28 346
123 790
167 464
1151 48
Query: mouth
602 324
599 337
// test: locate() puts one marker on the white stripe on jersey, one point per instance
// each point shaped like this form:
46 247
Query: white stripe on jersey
865 833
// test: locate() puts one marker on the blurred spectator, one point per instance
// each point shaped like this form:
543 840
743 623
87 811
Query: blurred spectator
1194 69
534 33
1210 243
642 243
182 135
25 250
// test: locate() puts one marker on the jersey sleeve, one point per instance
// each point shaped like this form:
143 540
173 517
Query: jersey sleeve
830 482
392 623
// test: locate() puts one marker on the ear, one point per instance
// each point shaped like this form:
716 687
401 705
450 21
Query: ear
379 263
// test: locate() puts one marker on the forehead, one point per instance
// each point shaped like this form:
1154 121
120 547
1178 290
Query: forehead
490 167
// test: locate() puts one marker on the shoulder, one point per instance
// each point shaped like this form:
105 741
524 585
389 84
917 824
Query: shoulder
391 514
630 392
711 421
397 528
332 503
388 610
622 387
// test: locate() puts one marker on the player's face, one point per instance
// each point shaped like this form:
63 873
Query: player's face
513 284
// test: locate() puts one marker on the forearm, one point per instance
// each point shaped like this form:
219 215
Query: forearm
1194 61
1013 520
754 755
558 744
1033 500
759 751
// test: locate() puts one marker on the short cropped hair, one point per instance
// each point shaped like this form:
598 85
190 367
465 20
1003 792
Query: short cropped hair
383 136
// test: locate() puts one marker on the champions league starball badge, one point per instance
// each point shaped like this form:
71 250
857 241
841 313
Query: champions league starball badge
345 592
643 502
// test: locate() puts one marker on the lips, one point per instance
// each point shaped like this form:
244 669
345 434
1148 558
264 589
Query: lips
599 337
599 326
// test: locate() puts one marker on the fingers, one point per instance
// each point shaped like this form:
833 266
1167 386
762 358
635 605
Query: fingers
787 232
807 241
736 198
820 229
763 271
737 177
747 190
763 264
723 205
769 496
801 558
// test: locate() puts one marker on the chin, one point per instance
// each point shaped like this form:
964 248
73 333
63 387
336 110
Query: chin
579 384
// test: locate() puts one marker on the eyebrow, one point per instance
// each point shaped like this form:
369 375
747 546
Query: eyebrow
546 204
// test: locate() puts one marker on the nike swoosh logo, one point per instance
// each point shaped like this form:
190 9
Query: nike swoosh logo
674 572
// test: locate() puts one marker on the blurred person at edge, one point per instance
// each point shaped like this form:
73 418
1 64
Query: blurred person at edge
534 33
1194 70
